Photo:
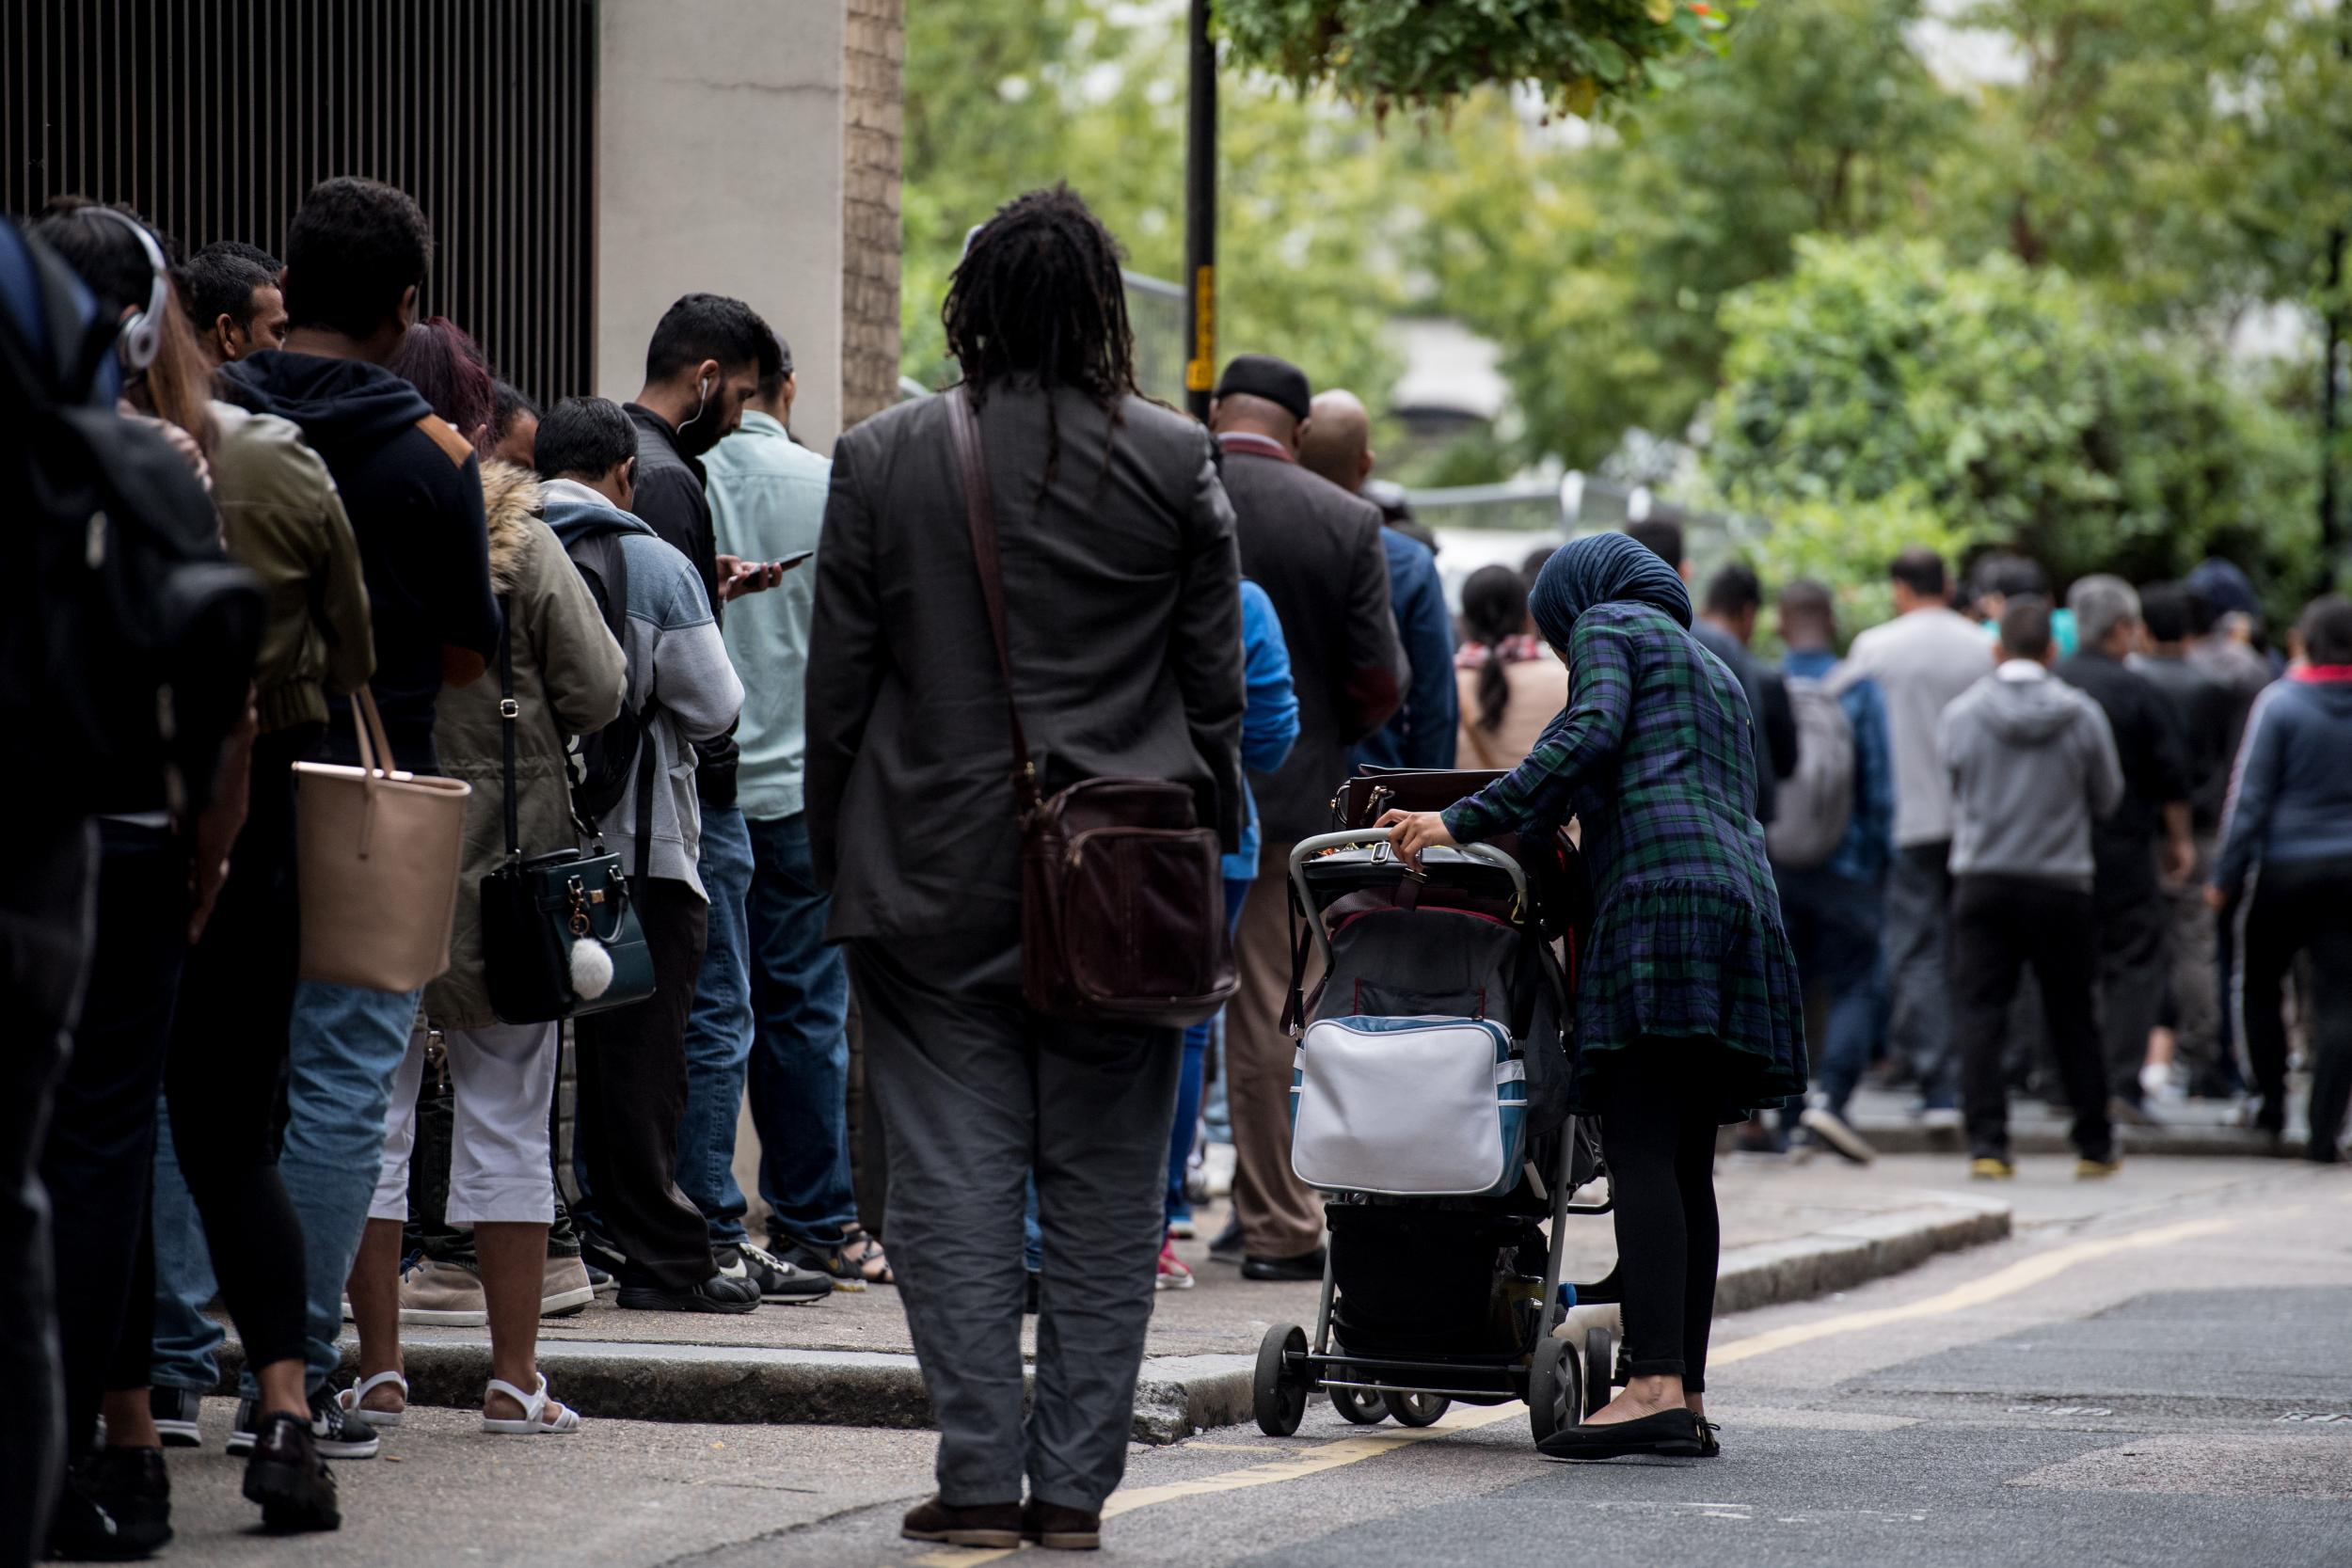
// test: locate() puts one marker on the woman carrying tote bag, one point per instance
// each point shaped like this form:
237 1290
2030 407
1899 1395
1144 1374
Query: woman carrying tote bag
1120 591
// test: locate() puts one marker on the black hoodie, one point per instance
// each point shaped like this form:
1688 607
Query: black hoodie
413 490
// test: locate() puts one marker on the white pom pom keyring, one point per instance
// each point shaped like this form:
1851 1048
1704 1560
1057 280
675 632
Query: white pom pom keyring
591 969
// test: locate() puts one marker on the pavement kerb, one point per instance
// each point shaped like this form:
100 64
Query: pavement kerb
1176 1396
2198 1142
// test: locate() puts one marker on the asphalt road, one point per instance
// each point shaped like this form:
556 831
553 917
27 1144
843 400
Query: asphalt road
2143 1375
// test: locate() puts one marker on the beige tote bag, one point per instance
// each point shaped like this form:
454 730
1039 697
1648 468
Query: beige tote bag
379 854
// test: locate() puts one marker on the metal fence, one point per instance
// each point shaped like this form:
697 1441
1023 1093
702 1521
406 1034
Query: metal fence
211 118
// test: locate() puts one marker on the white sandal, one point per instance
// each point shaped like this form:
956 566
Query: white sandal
349 1400
534 1405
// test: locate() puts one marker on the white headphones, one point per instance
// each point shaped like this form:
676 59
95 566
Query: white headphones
142 332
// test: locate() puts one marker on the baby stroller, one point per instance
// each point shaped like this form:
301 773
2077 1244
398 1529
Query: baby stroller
1429 1102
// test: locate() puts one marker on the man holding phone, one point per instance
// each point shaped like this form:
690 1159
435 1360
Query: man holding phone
768 502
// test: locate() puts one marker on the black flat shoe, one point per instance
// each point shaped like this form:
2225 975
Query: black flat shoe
1708 1446
1307 1265
1668 1434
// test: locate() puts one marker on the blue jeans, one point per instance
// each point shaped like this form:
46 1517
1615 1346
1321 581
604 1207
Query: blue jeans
719 1032
1833 924
185 1338
800 1067
1188 1124
347 1042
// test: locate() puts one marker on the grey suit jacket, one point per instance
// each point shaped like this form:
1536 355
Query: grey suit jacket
1122 598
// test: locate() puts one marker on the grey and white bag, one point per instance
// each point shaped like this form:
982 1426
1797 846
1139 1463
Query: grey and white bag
1408 1107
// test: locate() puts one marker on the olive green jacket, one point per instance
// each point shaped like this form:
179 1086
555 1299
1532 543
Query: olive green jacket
569 674
283 521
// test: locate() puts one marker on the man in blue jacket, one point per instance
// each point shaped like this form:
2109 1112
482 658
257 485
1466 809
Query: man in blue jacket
1338 446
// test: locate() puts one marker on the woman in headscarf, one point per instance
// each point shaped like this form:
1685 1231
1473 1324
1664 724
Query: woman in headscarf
1689 1011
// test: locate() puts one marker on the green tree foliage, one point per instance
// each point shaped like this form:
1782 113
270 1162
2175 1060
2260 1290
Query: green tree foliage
1599 267
1882 390
2184 158
1434 54
1006 95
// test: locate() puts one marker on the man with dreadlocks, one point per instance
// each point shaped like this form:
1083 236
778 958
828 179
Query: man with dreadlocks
1123 615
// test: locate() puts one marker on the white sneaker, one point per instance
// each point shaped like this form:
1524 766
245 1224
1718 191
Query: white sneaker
1941 1118
1835 1134
2161 1082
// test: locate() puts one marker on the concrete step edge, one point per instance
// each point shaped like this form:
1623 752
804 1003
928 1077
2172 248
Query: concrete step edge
1176 1396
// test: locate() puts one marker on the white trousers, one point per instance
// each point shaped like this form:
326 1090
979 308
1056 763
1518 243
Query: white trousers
504 1077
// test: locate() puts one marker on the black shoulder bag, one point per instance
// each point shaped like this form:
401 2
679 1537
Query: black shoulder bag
559 936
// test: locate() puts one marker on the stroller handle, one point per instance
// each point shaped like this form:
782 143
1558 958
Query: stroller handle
1308 849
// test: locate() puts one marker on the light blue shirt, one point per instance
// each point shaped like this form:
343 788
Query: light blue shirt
768 501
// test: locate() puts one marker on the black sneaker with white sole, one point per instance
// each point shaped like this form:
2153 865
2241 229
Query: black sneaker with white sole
335 1432
340 1433
177 1414
778 1280
718 1293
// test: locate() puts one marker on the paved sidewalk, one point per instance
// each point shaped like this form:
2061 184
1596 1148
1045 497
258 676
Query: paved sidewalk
2206 1128
1791 1231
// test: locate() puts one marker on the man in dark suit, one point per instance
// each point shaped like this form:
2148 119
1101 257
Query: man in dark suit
1123 614
1316 551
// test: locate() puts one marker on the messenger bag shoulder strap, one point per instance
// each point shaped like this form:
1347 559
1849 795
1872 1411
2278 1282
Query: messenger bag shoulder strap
979 515
509 711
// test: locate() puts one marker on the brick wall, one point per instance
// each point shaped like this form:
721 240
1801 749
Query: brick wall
873 64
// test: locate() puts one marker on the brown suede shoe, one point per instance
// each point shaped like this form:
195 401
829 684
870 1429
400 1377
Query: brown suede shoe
985 1525
1060 1529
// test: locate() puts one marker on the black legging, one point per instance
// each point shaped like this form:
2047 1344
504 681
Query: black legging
228 1045
99 1160
1659 1143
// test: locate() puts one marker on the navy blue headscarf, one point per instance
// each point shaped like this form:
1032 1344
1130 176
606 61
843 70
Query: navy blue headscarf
1596 569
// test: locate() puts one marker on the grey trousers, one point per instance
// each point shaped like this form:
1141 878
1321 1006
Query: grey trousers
974 1092
2194 984
1918 947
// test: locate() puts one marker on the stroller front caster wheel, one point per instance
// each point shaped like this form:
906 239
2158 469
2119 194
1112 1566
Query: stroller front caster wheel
1555 1388
1415 1410
1278 1397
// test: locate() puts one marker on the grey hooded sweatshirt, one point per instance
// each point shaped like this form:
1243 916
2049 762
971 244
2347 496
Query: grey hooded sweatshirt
676 658
2031 762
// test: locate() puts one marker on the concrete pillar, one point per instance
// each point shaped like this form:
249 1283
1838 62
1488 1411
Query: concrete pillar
750 148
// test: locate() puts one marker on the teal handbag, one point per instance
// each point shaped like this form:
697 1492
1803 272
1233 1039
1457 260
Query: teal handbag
560 938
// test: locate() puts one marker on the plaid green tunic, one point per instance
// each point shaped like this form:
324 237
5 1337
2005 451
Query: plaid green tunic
1654 756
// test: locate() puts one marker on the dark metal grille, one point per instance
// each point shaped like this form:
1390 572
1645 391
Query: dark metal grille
213 117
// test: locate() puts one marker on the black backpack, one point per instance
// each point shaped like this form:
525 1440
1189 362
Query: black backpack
127 638
602 763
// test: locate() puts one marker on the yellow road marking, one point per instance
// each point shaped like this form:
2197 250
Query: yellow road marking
1291 1467
2017 1276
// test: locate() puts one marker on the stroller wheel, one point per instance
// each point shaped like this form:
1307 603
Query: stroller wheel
1600 1358
1277 1397
1555 1388
1415 1410
1364 1406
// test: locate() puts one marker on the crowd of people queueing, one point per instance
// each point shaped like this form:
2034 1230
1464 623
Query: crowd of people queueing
801 650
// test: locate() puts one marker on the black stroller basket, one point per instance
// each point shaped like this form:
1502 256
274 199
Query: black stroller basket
1427 1300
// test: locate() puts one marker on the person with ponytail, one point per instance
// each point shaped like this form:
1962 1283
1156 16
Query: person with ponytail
1510 683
